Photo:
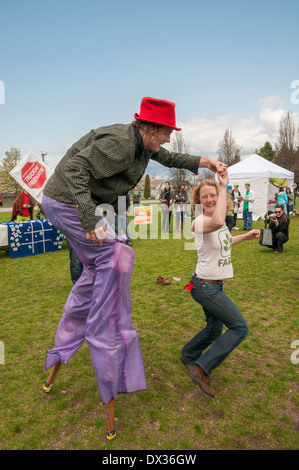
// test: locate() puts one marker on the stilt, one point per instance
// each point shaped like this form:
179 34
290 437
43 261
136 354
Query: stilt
47 386
111 433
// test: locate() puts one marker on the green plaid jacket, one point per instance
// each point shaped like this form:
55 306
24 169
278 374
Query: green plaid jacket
106 163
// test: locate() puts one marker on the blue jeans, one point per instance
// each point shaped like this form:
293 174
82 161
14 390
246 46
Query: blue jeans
219 310
247 219
76 267
122 225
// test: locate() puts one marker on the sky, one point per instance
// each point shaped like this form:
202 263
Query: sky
69 66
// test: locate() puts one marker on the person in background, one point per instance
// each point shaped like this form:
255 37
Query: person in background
248 207
166 198
295 197
290 205
282 198
76 267
237 203
23 207
122 220
213 241
136 196
180 201
279 224
229 219
1 202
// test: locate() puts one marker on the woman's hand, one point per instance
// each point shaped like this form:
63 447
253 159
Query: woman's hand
97 236
252 234
223 177
273 218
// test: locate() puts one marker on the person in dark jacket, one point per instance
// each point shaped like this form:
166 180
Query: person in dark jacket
180 207
166 197
279 225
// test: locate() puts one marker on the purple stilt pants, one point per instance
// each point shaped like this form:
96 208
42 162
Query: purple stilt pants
98 309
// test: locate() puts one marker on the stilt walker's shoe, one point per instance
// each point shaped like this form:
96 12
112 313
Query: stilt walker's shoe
47 388
111 435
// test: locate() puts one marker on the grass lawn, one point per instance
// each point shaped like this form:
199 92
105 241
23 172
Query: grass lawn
256 406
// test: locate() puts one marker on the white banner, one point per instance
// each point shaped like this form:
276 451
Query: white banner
32 174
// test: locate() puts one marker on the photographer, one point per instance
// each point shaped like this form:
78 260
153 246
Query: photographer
279 224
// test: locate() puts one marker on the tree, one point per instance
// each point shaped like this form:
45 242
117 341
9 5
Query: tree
228 150
8 183
295 167
266 151
147 187
286 137
177 175
286 145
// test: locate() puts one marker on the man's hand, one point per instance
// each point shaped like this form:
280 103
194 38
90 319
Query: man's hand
212 164
97 236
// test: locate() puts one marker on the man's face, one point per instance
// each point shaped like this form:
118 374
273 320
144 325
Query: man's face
247 187
162 137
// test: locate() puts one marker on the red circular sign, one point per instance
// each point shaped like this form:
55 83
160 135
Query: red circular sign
34 174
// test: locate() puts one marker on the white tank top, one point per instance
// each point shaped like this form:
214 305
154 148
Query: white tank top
214 253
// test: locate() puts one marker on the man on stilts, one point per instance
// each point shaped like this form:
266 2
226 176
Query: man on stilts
104 164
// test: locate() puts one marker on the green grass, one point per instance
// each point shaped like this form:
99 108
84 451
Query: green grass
256 406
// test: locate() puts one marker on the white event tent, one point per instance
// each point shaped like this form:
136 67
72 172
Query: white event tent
261 174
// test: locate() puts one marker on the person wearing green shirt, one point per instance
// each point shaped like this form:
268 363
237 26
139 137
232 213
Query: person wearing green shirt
290 196
248 207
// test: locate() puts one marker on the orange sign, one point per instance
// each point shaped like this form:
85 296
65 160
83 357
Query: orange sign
142 215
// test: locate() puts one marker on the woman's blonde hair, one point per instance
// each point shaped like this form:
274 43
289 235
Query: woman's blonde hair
195 197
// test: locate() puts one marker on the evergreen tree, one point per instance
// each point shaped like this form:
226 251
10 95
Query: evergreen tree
266 151
147 187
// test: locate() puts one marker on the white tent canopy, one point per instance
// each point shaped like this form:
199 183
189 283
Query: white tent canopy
264 178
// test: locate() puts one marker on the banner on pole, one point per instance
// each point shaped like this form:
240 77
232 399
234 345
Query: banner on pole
32 174
143 215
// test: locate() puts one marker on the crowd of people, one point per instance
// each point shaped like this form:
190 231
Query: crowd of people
177 203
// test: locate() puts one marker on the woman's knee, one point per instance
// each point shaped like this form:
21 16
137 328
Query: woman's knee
243 330
214 330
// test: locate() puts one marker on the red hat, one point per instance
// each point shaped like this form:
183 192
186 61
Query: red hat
159 112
